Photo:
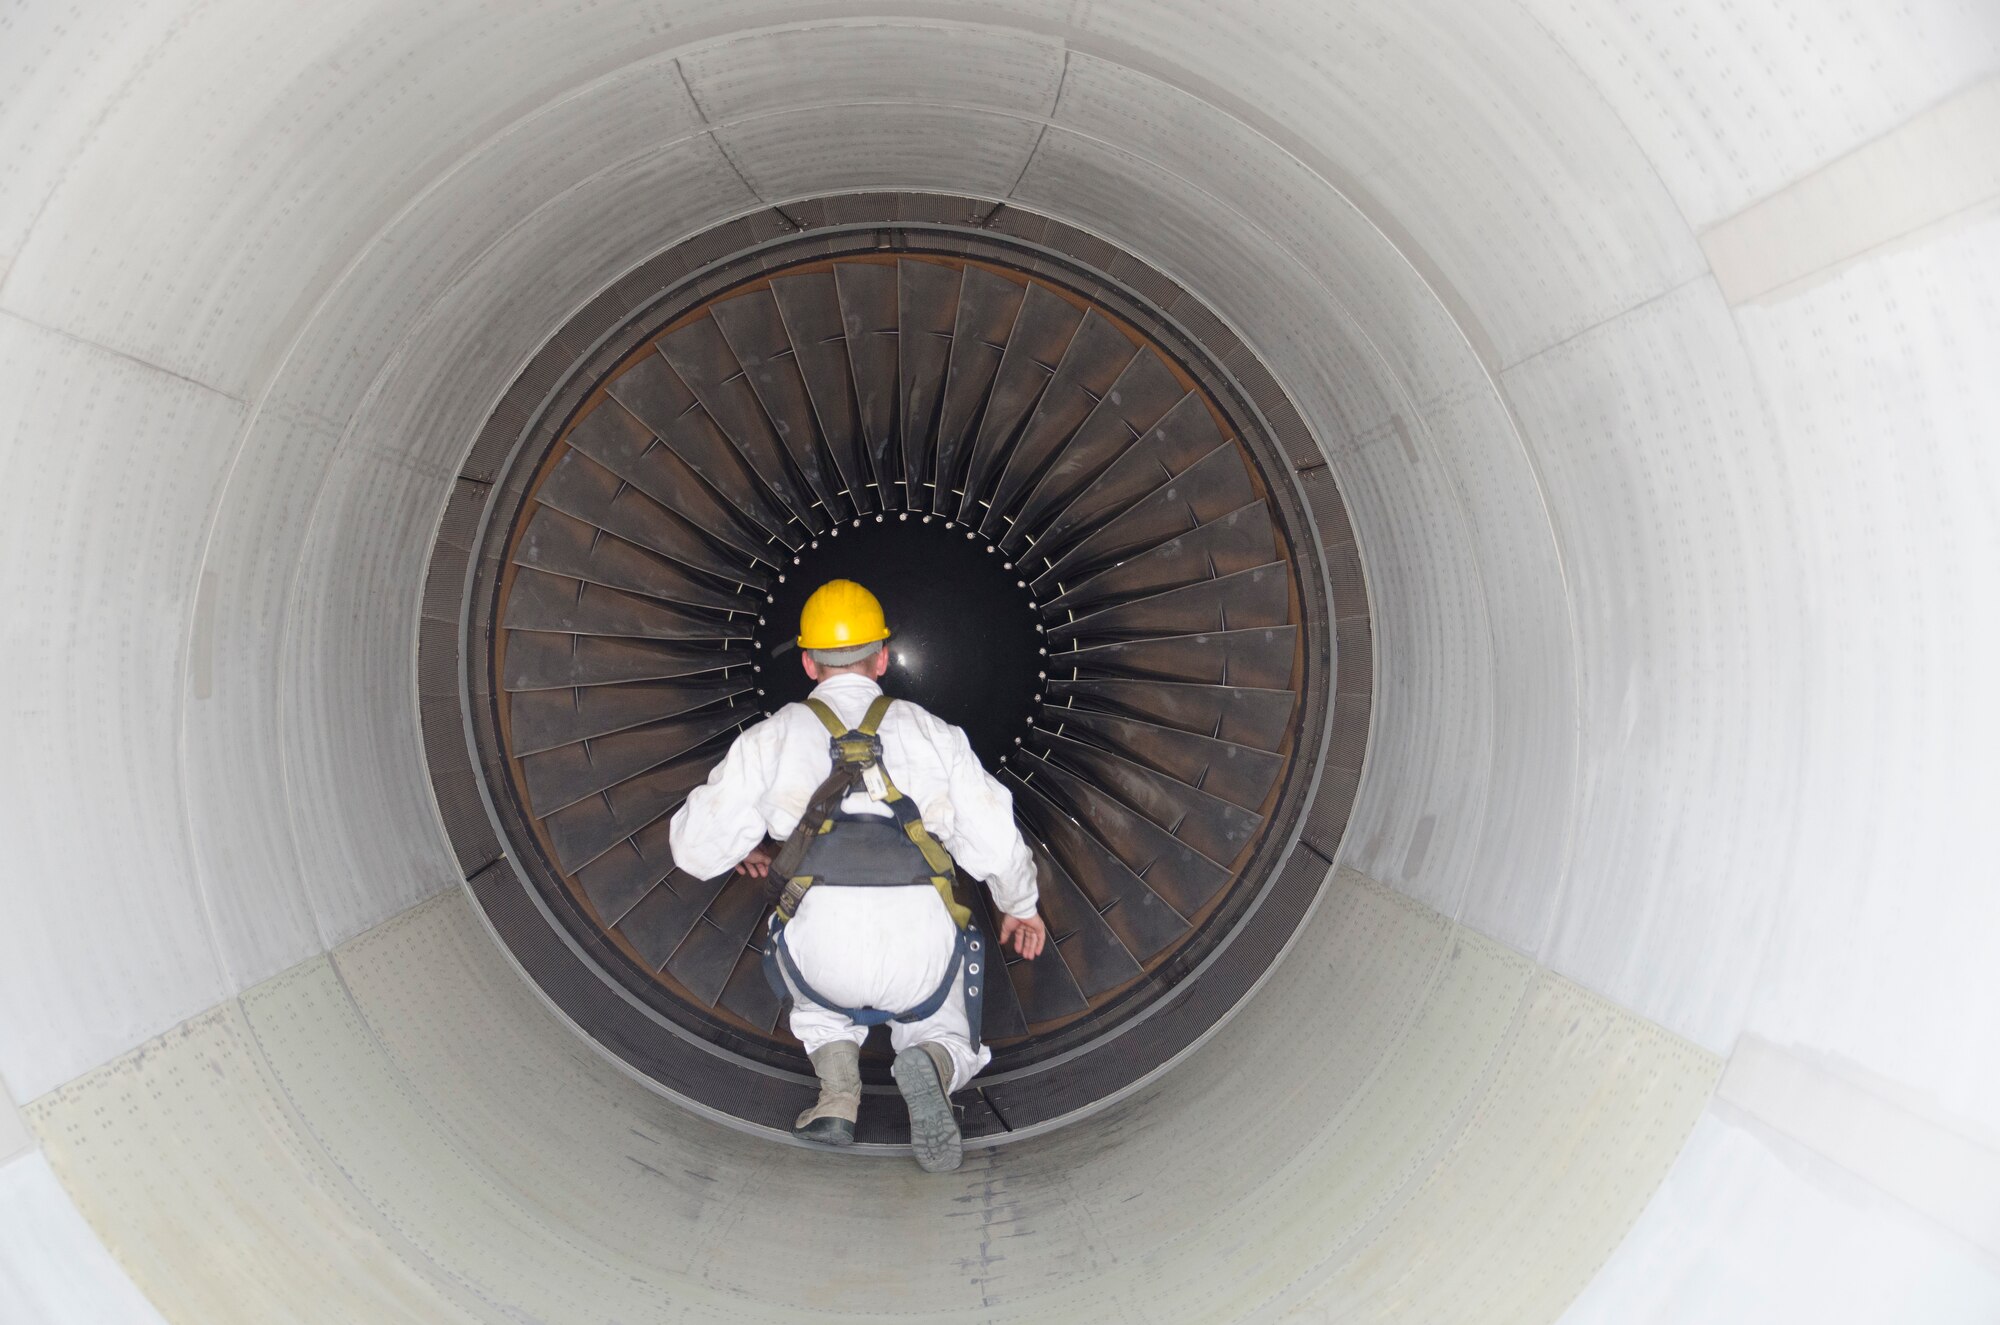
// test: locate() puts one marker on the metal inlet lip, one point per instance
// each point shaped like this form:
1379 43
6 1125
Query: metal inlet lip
1101 562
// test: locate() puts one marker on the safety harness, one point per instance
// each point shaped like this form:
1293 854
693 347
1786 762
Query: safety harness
831 848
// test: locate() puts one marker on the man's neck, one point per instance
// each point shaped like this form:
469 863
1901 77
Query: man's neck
829 677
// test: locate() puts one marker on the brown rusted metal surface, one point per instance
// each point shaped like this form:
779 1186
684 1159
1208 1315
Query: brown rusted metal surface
880 386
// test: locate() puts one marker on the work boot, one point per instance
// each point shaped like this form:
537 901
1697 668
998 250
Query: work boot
923 1073
831 1121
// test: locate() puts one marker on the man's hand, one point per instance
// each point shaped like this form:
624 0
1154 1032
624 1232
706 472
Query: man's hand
1027 936
758 863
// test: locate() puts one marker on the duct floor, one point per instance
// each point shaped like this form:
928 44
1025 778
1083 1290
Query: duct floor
402 1132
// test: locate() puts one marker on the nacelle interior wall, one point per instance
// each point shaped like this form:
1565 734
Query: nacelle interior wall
1683 598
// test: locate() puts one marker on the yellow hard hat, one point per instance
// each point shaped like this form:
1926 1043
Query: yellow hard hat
841 615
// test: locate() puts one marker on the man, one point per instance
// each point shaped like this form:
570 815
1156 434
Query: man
866 931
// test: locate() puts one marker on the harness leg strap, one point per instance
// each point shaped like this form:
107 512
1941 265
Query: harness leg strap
969 955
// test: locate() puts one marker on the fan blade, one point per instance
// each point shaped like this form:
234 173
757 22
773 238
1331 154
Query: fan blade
1211 825
625 875
1237 714
1208 490
1092 956
928 304
868 316
710 952
537 660
544 719
565 775
1097 355
702 357
1260 658
1238 541
662 920
561 545
810 305
747 993
987 306
1240 774
1144 923
653 393
626 448
1257 597
1041 332
540 601
755 331
589 828
1185 434
1180 875
1140 398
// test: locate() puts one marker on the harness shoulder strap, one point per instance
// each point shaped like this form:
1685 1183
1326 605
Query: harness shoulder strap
828 718
912 823
871 722
851 750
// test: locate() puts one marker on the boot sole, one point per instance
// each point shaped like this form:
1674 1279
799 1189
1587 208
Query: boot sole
933 1128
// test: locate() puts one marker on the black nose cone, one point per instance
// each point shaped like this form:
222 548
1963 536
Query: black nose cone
965 643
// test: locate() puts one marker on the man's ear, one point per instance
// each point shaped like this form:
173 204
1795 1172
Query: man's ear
881 662
812 668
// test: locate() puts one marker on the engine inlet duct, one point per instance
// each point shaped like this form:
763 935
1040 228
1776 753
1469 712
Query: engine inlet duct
1097 559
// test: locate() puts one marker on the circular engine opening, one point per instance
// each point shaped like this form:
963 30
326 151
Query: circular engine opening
1095 556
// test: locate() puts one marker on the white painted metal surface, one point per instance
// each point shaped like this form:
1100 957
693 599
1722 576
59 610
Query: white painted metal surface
1655 358
53 1269
14 1137
463 1154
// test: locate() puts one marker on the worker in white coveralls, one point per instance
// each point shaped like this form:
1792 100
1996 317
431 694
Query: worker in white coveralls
867 795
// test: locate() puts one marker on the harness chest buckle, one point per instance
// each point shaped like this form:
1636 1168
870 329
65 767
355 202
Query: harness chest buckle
862 749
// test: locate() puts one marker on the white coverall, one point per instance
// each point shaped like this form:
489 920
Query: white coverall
885 948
